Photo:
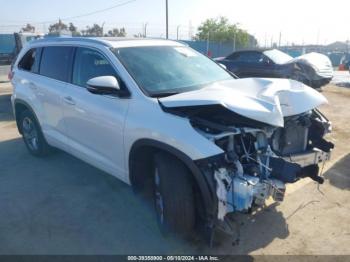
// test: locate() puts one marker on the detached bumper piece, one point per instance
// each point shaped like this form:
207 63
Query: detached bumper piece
291 168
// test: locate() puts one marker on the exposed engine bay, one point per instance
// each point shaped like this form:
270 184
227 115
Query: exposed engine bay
260 159
269 131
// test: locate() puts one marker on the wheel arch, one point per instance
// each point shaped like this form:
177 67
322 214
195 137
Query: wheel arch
146 148
20 106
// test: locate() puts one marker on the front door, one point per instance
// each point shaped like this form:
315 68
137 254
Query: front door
94 122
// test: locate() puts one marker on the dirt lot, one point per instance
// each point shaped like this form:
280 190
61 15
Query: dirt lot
60 205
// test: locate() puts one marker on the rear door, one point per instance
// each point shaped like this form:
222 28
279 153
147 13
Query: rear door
25 79
94 122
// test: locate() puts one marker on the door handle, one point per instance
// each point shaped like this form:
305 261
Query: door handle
69 100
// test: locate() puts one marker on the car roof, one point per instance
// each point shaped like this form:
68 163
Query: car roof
258 50
113 42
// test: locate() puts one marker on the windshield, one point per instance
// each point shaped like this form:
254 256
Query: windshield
277 56
167 70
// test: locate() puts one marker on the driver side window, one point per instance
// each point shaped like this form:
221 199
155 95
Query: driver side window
264 60
251 57
89 64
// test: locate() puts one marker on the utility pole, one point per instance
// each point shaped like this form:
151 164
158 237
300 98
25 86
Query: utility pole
271 41
208 42
166 18
279 41
234 42
103 24
177 32
145 30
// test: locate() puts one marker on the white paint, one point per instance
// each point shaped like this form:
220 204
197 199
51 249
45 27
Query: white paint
261 99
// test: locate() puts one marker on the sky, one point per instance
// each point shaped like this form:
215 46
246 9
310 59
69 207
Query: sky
296 21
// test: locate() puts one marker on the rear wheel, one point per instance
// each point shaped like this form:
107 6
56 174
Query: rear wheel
32 135
173 196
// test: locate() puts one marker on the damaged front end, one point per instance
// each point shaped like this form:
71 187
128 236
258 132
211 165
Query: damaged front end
259 159
258 162
270 133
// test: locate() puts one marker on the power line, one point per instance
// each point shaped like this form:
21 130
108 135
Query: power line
166 19
79 16
97 11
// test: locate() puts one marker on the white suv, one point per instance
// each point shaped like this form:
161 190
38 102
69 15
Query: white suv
171 122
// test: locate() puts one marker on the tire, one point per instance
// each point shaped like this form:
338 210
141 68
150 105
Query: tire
32 135
173 196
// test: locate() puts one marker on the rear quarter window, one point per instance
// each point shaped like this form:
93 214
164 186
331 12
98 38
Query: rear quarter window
56 62
30 61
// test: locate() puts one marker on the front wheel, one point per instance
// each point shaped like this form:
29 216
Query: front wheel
173 196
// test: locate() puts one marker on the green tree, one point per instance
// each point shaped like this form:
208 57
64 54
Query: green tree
116 32
58 27
94 30
220 30
73 29
28 28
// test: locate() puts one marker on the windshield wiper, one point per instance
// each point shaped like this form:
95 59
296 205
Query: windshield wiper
164 94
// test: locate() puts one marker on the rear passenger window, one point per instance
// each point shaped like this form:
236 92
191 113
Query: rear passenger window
89 64
56 62
30 61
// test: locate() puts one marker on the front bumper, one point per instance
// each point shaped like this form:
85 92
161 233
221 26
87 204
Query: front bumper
314 157
317 83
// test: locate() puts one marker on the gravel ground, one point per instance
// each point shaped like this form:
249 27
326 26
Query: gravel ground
61 205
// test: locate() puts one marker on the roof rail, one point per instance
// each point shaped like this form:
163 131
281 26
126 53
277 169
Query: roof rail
73 39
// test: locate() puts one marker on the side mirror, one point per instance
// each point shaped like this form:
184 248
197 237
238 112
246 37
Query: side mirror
223 66
103 85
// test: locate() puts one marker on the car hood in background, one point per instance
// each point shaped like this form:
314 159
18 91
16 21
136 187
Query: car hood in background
261 99
219 58
321 63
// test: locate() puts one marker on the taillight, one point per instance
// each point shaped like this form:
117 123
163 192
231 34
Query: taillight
10 75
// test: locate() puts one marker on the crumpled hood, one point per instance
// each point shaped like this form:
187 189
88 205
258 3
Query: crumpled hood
262 99
320 62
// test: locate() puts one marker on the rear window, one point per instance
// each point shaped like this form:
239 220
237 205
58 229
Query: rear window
56 62
30 61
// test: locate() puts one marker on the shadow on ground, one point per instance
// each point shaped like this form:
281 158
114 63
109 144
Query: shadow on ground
339 174
61 205
253 231
5 108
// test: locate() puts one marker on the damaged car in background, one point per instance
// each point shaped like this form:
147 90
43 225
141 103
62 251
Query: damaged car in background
312 69
172 123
